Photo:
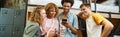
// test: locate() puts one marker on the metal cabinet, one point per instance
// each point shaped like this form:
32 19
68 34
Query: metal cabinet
12 22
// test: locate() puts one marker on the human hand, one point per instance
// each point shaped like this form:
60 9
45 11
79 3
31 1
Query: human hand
65 23
51 33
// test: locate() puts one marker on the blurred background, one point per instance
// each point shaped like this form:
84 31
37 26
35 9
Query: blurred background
110 9
15 13
12 17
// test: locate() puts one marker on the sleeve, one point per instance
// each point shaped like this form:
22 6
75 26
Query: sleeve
31 30
98 18
75 22
59 17
57 28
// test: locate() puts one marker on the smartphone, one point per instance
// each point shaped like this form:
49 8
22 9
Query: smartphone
64 20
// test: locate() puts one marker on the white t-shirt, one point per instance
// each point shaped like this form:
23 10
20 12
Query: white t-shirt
93 30
62 30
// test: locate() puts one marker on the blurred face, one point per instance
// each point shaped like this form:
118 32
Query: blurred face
43 13
85 11
66 6
52 13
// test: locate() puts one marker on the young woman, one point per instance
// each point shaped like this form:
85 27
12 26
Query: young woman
32 28
68 21
51 27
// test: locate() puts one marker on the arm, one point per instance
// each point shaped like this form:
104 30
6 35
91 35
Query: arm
57 30
100 20
72 29
108 26
74 26
32 30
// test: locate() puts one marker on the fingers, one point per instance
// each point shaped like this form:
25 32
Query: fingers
63 22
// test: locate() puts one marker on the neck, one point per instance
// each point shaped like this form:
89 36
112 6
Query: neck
65 13
90 14
49 17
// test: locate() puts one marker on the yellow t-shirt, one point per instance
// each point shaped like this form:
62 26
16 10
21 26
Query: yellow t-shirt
98 18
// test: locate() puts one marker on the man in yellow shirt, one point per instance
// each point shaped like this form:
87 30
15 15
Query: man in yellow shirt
95 22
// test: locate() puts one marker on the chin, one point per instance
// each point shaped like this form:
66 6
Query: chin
66 10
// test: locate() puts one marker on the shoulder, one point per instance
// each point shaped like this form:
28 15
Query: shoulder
98 18
33 24
94 14
71 14
97 15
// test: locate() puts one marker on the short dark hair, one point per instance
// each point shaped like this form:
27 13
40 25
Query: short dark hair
87 5
69 1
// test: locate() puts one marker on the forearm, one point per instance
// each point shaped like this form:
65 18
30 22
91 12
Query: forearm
107 29
73 29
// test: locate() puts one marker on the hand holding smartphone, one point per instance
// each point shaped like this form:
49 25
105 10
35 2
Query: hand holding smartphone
64 21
